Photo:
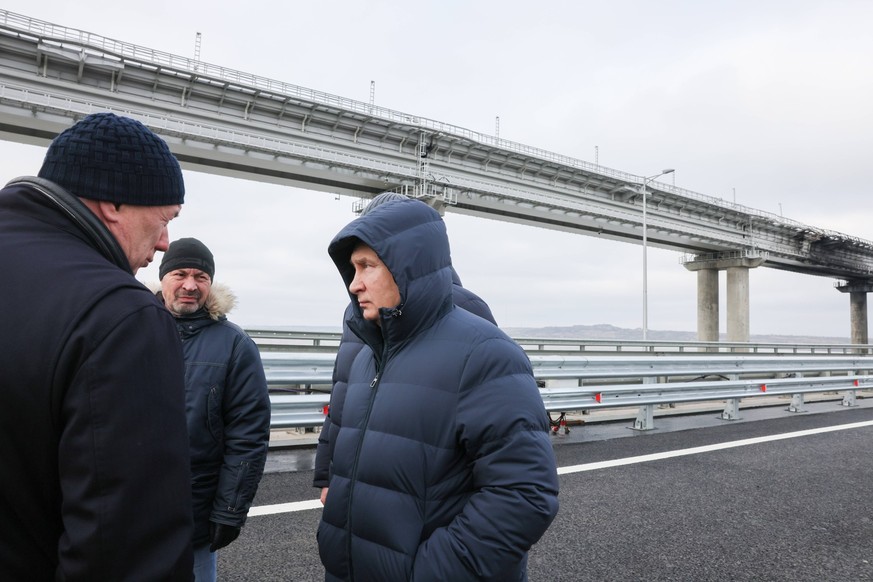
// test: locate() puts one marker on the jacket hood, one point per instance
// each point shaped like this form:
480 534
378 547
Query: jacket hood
410 238
220 302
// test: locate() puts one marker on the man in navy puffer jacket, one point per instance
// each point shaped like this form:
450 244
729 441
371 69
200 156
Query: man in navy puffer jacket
441 468
350 345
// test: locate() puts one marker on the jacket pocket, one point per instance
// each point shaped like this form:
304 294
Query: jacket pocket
214 418
245 481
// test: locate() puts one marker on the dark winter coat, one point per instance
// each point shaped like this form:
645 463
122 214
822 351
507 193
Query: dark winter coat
93 446
442 468
228 408
348 349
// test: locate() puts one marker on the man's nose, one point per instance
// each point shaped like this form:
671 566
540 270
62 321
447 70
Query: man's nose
164 241
355 285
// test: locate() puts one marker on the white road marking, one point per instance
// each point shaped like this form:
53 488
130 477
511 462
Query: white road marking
708 448
285 507
316 503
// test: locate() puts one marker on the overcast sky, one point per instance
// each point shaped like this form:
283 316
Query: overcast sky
765 102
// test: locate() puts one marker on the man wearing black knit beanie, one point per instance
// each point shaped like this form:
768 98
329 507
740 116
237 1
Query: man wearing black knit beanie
226 397
93 438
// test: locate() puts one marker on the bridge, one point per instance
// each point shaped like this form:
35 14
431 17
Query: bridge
236 124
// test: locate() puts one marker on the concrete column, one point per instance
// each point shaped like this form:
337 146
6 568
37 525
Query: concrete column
707 305
738 304
857 290
737 267
858 315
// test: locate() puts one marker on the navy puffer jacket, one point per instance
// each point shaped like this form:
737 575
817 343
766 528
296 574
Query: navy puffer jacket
348 349
442 467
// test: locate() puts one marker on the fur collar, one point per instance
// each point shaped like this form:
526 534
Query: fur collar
220 302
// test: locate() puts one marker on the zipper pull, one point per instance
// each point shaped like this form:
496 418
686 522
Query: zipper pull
375 379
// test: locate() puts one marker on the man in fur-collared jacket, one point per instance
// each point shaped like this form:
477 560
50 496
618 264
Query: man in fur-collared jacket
227 401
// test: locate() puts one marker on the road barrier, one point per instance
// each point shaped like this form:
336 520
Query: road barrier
299 365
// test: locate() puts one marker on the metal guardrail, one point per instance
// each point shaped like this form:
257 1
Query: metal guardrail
299 410
647 396
299 366
269 339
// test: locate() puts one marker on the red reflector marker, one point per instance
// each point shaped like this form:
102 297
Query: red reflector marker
763 387
597 397
325 410
857 383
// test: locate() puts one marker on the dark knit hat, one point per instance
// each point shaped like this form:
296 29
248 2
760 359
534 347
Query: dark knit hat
187 253
116 159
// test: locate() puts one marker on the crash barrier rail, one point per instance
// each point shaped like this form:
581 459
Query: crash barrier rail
327 342
300 382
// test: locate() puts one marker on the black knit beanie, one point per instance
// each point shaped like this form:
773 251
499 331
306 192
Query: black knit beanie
187 253
116 159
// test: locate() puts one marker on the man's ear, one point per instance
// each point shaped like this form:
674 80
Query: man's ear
109 211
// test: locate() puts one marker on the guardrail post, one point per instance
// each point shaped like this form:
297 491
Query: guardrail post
646 414
645 418
796 399
849 398
731 410
796 403
732 405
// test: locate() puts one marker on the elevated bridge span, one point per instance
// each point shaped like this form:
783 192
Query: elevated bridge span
232 123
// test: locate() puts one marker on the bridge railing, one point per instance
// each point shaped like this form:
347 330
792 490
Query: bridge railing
299 366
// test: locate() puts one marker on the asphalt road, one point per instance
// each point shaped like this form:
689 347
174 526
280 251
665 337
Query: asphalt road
708 504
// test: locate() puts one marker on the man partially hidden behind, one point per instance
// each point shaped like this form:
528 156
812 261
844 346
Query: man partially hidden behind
227 400
95 478
441 464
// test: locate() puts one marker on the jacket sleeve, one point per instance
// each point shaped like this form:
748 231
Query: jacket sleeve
123 454
321 478
348 348
502 426
246 419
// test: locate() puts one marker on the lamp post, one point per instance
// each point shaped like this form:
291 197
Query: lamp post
645 253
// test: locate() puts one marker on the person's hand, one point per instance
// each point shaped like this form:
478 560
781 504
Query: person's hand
220 535
323 494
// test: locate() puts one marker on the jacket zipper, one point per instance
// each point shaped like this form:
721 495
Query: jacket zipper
374 386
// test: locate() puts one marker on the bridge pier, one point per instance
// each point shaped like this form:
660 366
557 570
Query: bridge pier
858 316
857 290
737 266
707 305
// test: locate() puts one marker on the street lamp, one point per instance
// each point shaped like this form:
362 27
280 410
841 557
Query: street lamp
645 253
